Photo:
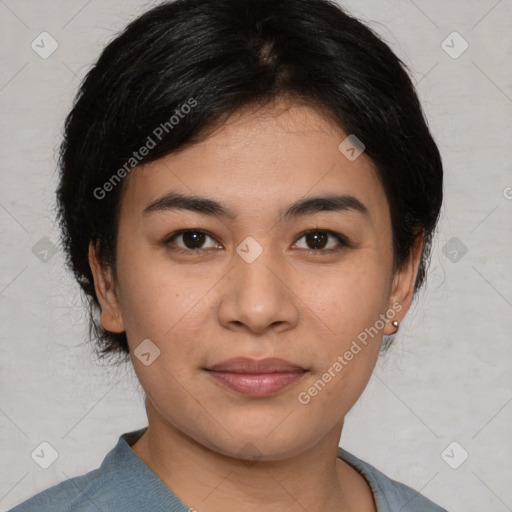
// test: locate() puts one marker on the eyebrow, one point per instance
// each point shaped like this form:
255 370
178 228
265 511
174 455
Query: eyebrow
304 206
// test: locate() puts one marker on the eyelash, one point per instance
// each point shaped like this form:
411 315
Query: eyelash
343 242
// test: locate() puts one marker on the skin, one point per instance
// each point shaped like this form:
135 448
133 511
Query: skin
206 306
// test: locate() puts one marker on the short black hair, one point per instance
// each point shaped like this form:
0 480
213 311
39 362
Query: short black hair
217 57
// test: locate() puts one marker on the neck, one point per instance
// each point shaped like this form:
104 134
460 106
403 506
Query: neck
207 480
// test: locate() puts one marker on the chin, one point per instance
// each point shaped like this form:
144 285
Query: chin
261 445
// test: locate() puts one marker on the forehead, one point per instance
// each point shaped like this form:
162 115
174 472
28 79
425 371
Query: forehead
258 160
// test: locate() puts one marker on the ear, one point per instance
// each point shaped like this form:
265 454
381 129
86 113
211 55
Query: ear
402 288
111 318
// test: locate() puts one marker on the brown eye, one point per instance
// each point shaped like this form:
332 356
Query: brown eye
191 240
319 240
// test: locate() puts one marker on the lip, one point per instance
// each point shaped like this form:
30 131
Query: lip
248 365
257 378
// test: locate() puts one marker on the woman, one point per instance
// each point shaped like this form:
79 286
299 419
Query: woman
248 195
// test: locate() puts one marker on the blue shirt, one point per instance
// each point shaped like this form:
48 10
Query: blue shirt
125 483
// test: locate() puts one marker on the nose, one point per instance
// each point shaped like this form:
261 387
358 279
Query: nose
259 296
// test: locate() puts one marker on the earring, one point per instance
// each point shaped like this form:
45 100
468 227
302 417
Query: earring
387 339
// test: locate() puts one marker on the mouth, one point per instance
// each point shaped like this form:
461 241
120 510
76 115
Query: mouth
257 378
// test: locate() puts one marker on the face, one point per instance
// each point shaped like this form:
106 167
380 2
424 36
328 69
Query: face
255 278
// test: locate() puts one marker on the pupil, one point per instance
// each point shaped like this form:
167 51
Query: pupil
194 237
316 239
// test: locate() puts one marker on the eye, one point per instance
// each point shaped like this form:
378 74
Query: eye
192 240
319 241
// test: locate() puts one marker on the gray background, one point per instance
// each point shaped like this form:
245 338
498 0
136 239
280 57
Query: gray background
447 379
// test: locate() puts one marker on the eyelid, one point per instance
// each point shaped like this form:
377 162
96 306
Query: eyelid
342 240
169 240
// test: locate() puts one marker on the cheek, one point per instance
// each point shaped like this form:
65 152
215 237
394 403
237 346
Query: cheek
157 298
348 306
350 298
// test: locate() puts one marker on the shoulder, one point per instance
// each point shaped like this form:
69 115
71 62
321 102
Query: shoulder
390 495
119 480
80 494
